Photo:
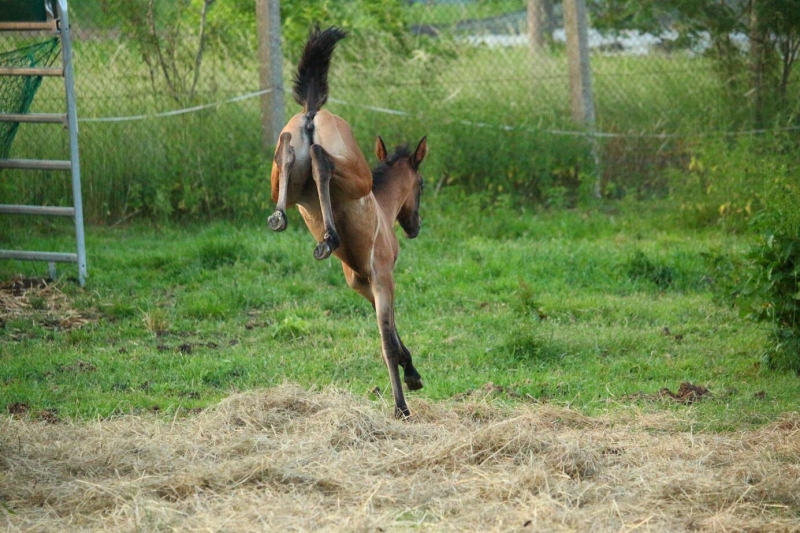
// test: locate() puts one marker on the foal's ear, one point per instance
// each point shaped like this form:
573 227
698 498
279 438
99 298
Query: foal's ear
380 149
421 151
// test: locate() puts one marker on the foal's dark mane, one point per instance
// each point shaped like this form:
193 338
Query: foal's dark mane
380 172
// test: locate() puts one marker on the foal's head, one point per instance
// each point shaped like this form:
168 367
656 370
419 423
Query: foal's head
398 174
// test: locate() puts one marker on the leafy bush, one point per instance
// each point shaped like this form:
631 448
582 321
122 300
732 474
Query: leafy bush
772 292
725 179
370 22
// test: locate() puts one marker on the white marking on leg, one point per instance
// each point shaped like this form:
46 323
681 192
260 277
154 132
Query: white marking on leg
375 237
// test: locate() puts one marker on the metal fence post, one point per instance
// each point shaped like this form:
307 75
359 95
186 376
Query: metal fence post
270 57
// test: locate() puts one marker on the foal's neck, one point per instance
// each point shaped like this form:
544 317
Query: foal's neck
390 196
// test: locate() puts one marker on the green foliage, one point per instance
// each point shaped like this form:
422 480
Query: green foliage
290 328
772 292
172 37
726 178
370 23
525 302
448 14
555 172
486 134
772 25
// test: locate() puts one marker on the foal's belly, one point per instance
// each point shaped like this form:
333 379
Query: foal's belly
312 216
356 224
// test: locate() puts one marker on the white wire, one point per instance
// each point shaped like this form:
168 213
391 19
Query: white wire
176 111
579 133
388 111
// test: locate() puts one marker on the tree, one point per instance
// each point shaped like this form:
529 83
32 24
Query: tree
173 36
540 25
772 27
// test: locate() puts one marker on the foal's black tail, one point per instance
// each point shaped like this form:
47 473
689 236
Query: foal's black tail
311 79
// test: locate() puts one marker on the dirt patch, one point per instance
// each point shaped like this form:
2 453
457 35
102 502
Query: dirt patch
687 394
287 459
40 300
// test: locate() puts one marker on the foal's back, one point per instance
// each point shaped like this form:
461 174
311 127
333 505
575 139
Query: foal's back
334 134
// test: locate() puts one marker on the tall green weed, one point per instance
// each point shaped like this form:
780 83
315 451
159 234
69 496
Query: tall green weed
726 178
771 294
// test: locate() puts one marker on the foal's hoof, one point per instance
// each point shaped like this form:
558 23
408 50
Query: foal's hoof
412 378
413 382
330 242
322 251
402 412
277 221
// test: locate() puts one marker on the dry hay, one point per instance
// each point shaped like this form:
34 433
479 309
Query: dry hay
40 300
286 459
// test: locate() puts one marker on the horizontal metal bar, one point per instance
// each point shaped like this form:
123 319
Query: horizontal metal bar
50 118
31 71
54 257
36 164
51 25
45 210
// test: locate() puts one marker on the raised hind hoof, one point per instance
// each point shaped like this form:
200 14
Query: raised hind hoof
322 251
277 221
330 242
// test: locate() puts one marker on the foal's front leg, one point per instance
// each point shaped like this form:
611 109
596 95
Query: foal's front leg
388 328
411 377
394 352
322 169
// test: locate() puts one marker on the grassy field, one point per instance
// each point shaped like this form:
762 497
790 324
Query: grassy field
598 309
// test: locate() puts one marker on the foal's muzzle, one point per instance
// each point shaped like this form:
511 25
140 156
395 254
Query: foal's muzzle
411 227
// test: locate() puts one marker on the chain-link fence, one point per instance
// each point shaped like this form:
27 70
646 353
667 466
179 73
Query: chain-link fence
170 120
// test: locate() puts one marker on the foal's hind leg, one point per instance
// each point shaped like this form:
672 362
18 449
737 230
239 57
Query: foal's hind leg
322 170
284 161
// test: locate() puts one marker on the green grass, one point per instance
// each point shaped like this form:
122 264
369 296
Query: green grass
565 306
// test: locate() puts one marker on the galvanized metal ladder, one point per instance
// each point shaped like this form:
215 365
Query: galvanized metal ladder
58 23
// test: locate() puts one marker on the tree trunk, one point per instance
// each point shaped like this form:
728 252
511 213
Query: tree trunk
757 65
536 27
580 74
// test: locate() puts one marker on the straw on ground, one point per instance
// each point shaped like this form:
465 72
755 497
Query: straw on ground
286 459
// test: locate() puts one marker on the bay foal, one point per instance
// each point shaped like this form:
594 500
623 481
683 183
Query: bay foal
349 210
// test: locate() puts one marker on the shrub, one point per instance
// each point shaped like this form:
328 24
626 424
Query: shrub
772 292
725 179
